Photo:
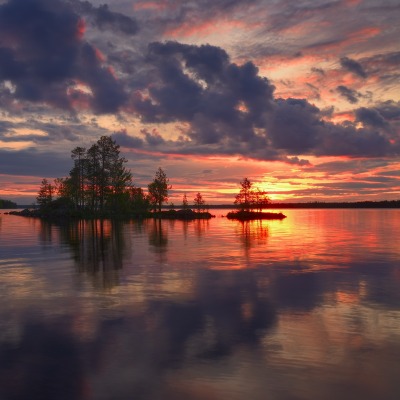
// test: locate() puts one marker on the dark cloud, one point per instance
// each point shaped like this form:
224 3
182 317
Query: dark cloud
199 84
34 163
353 66
384 66
347 140
294 126
390 173
103 18
298 127
224 107
230 109
354 166
390 110
352 96
153 138
123 139
370 117
44 56
5 127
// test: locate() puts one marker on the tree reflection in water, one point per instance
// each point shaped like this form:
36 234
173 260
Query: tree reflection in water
201 226
158 238
252 233
225 317
97 248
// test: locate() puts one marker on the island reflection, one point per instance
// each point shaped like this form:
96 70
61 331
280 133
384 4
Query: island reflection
179 309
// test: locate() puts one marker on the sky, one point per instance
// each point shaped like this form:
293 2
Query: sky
301 97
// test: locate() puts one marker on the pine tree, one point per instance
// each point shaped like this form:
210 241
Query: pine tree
45 194
199 202
77 175
158 189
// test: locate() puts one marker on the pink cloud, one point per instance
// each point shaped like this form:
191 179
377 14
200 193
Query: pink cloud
338 46
205 28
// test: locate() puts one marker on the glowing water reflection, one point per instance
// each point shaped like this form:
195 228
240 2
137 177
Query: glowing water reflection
304 308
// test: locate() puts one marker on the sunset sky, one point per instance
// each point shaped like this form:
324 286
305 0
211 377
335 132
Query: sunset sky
302 97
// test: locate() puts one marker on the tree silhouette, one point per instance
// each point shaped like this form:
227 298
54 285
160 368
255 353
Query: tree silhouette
112 177
261 199
249 199
158 189
98 183
77 175
199 202
140 202
245 198
185 203
45 194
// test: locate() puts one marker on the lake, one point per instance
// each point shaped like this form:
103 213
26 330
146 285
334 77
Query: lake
303 308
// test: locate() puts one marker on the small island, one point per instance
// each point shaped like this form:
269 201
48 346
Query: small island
252 215
251 203
100 186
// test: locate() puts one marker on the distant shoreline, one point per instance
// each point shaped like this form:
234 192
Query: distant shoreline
316 205
309 205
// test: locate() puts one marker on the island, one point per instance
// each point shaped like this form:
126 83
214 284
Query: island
251 202
242 215
100 186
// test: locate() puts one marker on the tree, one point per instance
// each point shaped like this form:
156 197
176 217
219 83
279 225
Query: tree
245 198
185 203
62 188
107 152
140 203
199 202
99 180
91 172
158 189
77 176
120 183
261 199
45 194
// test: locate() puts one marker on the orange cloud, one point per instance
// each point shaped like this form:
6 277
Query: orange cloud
18 186
343 116
206 28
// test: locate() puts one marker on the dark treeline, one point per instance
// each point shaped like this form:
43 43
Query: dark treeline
7 204
317 204
357 204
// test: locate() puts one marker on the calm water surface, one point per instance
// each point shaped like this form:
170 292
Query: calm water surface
304 308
